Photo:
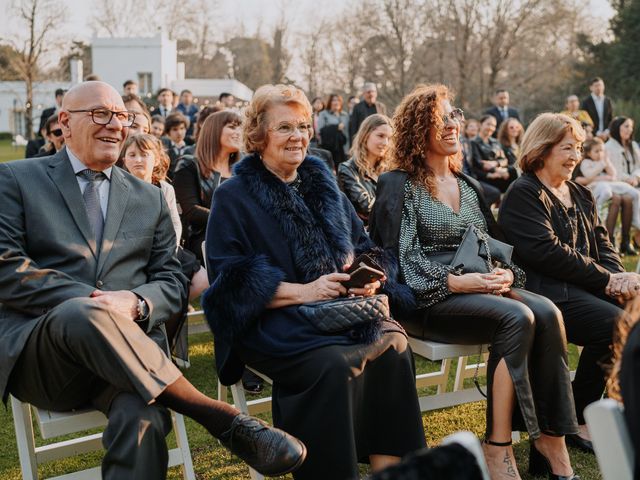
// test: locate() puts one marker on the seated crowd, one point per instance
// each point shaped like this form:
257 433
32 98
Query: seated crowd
471 231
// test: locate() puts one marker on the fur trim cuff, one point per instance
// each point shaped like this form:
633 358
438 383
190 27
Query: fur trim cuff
239 294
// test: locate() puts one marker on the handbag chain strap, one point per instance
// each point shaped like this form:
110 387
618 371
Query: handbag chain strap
484 238
475 375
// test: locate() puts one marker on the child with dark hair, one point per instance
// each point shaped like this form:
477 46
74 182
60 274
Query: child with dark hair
175 128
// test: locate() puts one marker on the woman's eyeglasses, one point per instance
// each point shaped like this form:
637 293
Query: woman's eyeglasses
288 129
455 116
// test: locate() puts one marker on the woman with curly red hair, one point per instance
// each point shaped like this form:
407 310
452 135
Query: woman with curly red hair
422 210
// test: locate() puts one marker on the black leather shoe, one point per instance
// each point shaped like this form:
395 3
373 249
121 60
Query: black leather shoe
539 465
252 383
576 441
266 449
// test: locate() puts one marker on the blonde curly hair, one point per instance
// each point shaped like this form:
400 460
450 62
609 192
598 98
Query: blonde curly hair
417 114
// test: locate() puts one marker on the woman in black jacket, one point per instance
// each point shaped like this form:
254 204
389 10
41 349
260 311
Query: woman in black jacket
358 176
565 250
488 160
421 214
197 177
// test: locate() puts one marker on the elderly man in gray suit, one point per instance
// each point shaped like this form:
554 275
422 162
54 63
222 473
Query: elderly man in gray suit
88 276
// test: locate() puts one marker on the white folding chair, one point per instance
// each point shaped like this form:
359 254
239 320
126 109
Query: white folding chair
55 424
611 440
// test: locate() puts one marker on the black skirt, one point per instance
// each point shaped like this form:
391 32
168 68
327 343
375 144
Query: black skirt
346 403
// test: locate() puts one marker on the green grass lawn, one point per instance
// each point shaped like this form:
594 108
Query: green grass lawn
7 152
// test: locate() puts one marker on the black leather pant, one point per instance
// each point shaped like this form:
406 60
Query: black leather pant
589 321
528 332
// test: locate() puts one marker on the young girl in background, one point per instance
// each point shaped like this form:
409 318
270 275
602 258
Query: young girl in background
598 173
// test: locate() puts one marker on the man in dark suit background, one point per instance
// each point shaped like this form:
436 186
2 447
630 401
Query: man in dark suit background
599 108
48 112
368 106
88 277
165 102
501 109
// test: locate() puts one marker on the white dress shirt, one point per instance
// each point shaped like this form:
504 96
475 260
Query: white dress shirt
103 185
599 102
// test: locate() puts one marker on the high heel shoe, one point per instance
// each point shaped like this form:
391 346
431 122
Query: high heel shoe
539 465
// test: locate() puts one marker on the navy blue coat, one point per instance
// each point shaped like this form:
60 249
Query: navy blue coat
261 233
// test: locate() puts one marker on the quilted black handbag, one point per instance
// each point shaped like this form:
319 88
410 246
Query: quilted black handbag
342 314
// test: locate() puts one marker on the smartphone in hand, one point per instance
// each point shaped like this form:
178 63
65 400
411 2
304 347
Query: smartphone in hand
363 270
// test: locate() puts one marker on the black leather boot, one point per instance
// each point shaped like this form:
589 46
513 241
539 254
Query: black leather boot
270 451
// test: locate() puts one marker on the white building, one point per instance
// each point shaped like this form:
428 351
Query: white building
151 62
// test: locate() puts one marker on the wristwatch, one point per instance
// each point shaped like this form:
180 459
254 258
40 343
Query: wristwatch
143 310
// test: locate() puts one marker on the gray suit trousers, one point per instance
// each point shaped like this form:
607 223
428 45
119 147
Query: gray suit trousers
82 355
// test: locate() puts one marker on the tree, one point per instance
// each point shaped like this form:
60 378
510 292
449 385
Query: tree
8 57
250 60
621 55
279 55
79 50
41 19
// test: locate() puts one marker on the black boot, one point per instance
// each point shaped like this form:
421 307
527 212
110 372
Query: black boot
268 450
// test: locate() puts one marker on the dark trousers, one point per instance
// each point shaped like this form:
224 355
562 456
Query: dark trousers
81 355
589 321
527 331
346 402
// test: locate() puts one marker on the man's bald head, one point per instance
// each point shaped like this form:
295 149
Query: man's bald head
90 91
96 145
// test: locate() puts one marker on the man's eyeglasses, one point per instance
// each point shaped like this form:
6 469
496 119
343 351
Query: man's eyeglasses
103 116
288 129
456 115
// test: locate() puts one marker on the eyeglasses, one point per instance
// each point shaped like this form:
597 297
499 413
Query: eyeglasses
57 132
288 129
456 115
103 116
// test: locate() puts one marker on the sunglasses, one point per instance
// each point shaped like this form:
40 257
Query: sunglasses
57 132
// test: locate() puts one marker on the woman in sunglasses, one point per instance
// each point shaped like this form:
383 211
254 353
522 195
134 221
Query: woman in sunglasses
422 210
55 139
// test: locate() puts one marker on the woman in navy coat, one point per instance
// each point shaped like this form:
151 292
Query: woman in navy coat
280 235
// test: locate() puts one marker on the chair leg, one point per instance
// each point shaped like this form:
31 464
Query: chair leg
222 392
183 444
239 399
24 437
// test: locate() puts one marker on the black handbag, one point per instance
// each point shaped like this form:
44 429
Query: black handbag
477 253
343 314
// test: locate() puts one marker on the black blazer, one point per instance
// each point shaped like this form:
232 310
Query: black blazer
495 112
607 115
537 230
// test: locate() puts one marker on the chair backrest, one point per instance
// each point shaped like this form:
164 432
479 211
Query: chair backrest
611 440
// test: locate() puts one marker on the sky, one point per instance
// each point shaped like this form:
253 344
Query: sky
252 12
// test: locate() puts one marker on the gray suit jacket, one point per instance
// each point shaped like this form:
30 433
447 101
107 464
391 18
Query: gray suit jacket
47 254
